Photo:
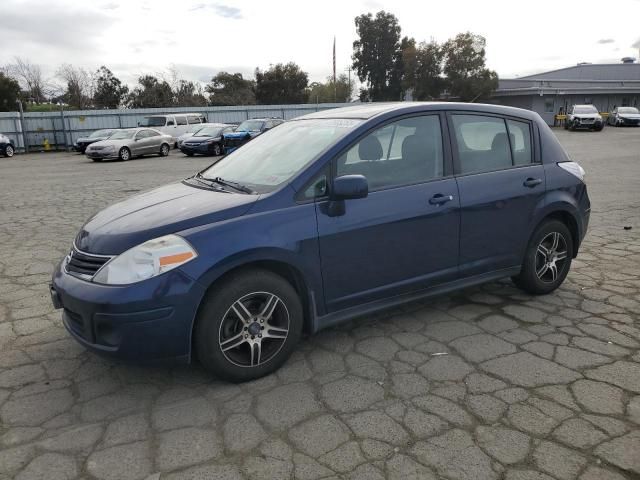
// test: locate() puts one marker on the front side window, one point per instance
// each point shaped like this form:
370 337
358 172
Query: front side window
276 157
404 152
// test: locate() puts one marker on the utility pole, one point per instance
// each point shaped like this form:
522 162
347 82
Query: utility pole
22 127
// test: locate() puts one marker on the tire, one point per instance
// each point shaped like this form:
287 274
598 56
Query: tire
220 343
97 159
9 151
537 277
164 150
189 154
217 150
124 154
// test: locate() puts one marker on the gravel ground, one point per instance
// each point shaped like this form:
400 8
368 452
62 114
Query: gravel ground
530 388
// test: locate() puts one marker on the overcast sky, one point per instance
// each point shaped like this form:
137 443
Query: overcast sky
202 37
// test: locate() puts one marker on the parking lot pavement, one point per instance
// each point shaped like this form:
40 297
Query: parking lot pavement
489 383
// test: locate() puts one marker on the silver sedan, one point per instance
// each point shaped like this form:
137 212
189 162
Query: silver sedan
130 142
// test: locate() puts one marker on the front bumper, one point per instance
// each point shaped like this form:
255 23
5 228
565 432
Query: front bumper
202 149
632 122
111 155
149 322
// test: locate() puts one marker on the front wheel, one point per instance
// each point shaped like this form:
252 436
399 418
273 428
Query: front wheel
124 154
217 150
9 151
547 259
164 150
248 326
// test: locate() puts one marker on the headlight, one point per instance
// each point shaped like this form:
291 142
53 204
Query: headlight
109 148
146 260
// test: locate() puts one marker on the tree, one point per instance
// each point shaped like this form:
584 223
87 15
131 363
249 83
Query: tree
30 78
79 90
231 89
151 93
9 93
281 84
109 90
377 58
329 92
189 94
464 66
429 82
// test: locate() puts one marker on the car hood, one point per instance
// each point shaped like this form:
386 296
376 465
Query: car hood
586 115
630 116
239 134
90 140
109 142
161 211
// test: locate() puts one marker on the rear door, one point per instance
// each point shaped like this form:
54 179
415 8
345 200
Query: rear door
402 237
501 181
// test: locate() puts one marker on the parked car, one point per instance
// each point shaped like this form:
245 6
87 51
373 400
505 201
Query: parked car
82 143
624 116
174 124
207 141
584 116
130 142
247 130
332 215
191 130
7 148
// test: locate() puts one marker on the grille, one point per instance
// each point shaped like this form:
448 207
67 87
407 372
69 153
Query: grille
85 263
588 120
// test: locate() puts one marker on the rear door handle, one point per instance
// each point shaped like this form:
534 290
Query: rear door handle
439 199
532 182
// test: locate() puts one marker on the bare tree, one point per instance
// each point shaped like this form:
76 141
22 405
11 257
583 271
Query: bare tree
80 85
30 78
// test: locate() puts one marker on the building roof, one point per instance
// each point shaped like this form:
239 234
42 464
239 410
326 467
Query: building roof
591 71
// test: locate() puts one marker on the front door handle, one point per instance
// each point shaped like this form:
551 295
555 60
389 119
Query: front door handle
439 199
532 182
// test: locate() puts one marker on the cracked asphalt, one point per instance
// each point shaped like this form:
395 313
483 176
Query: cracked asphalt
487 383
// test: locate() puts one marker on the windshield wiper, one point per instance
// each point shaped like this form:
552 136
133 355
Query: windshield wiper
235 185
207 182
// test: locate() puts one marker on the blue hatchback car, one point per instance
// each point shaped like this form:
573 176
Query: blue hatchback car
332 215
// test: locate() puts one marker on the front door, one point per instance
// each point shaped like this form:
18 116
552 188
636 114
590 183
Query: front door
402 237
500 184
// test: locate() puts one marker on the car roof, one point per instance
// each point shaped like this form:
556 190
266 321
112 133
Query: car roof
366 111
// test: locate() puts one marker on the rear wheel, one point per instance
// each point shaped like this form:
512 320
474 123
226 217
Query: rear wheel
248 326
9 151
124 154
547 259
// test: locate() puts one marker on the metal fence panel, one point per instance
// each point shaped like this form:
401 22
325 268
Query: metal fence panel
61 129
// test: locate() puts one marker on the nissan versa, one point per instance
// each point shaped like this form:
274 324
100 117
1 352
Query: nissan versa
332 215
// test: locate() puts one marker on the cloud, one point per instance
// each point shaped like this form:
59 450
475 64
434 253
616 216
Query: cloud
636 44
110 6
604 41
221 10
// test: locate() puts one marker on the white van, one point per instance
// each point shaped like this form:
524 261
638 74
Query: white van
174 124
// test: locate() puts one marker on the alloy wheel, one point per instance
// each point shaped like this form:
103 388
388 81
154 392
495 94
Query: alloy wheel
254 329
551 255
8 151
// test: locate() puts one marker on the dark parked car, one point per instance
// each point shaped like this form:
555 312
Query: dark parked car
247 130
332 215
7 148
624 116
207 141
82 143
584 117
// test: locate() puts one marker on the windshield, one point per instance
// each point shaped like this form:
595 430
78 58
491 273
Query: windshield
585 109
273 158
122 134
250 126
101 133
627 110
209 132
153 122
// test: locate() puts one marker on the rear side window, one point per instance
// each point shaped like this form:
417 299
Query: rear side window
181 120
193 119
486 143
404 152
520 136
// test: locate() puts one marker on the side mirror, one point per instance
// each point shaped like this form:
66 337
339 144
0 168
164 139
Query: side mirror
349 187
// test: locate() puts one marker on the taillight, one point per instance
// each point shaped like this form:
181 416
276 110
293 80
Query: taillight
573 168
